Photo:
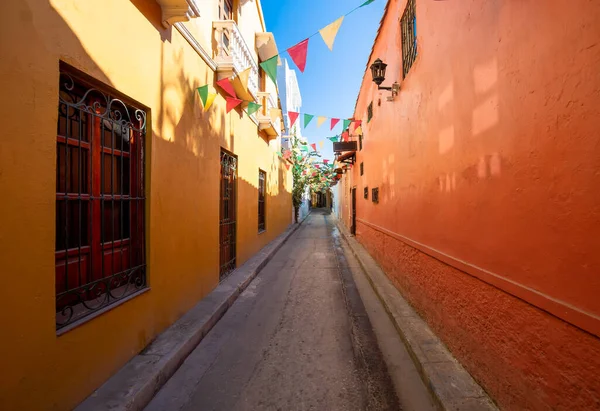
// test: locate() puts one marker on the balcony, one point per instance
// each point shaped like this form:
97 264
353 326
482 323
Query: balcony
233 56
345 152
265 122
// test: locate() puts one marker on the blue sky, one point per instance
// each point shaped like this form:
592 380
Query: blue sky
330 83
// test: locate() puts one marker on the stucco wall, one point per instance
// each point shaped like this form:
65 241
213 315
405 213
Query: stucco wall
122 44
487 167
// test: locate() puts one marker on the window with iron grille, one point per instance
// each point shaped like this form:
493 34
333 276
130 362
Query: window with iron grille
362 169
375 195
100 248
262 177
359 142
366 193
370 112
408 26
226 9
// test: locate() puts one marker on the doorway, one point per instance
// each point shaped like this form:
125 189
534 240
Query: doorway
353 226
227 214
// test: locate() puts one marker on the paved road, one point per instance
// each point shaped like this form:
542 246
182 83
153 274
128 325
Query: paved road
298 338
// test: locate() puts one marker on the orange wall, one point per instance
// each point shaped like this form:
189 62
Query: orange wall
488 162
122 44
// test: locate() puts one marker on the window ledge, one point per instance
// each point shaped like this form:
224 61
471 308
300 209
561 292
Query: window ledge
262 231
98 313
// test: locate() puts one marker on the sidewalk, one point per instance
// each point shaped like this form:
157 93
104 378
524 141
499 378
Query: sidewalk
451 386
132 387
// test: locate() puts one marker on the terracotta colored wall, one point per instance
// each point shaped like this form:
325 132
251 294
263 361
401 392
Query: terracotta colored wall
487 167
122 44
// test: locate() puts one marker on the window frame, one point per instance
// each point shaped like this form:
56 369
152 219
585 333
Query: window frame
370 112
85 282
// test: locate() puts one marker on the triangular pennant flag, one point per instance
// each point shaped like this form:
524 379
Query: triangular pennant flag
307 119
209 100
243 76
303 148
298 54
346 124
287 154
287 166
270 67
275 113
357 123
232 103
334 121
366 3
203 91
333 139
293 117
325 161
320 120
358 130
345 136
253 107
321 144
226 85
329 32
314 146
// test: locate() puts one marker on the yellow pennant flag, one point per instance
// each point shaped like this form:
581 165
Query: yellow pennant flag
329 32
243 76
209 100
358 130
275 113
320 120
321 144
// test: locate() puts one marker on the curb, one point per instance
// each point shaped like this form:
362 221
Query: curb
450 385
136 383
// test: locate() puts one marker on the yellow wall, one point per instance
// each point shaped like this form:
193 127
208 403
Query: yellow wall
122 44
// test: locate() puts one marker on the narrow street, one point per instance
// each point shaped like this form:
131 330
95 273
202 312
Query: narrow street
298 338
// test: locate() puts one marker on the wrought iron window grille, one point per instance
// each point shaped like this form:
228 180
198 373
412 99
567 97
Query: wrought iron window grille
375 195
100 200
366 193
408 25
362 169
370 112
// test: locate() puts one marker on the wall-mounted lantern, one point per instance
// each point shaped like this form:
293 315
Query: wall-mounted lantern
378 72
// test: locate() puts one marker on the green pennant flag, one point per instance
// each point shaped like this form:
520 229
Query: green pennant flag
307 118
366 3
333 139
253 107
270 67
346 124
299 157
304 148
203 91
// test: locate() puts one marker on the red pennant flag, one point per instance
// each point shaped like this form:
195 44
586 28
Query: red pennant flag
314 146
287 166
293 117
298 54
232 103
314 173
226 85
325 161
334 121
345 136
317 166
357 124
287 154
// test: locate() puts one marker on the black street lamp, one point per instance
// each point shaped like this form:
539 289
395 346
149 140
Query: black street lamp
378 73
